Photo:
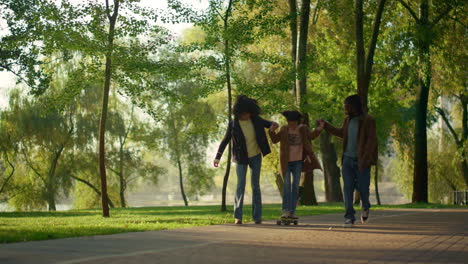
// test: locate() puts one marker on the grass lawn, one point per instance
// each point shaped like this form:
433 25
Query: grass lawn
28 226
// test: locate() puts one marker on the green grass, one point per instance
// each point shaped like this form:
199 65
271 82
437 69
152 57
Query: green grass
28 226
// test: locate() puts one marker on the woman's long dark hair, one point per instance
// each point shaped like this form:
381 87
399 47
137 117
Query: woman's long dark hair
245 104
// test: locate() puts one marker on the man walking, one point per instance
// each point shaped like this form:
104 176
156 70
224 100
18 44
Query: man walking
359 154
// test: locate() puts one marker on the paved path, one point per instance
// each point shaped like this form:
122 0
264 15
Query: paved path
393 236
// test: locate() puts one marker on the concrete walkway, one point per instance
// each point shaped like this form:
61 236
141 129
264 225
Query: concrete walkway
392 236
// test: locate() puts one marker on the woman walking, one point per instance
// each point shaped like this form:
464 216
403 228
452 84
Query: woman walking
249 144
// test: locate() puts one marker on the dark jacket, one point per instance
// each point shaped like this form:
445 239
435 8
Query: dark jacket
310 160
367 139
239 148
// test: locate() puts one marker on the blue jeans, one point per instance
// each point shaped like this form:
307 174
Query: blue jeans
255 164
353 178
291 192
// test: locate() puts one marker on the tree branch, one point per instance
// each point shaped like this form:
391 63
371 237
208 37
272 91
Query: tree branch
442 113
375 35
464 102
11 173
442 15
108 10
219 14
315 16
114 171
410 10
228 10
96 190
458 21
29 163
21 78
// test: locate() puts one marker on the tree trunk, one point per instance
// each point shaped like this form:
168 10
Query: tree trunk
331 172
307 194
51 199
279 183
122 182
51 189
360 51
123 203
302 53
308 190
227 61
181 182
376 184
464 168
420 177
105 104
364 63
464 103
293 29
226 179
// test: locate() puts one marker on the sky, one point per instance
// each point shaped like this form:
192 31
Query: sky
8 80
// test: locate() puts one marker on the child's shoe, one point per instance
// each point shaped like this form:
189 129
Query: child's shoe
293 216
286 214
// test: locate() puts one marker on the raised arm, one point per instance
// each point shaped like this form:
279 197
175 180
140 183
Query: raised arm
268 124
312 134
334 130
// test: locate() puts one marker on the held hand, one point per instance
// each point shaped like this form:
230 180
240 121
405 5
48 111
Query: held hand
216 163
321 125
274 126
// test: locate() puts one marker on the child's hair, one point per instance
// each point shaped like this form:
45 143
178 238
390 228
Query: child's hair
292 115
245 104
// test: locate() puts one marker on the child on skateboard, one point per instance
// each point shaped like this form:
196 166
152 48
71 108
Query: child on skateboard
296 155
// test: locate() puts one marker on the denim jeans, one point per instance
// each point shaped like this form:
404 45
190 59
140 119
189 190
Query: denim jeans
255 164
291 191
353 179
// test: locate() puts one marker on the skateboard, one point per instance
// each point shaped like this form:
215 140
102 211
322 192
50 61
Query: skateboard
287 221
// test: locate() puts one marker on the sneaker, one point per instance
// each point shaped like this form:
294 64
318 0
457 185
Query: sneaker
293 216
238 221
258 222
365 216
348 223
286 214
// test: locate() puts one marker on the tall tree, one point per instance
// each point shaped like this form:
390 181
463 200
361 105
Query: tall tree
185 134
227 65
112 16
44 136
424 39
308 196
125 158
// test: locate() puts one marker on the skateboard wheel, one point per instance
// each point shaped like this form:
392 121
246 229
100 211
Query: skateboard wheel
278 222
295 222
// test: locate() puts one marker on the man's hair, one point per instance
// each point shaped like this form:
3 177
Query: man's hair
292 115
245 104
355 101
